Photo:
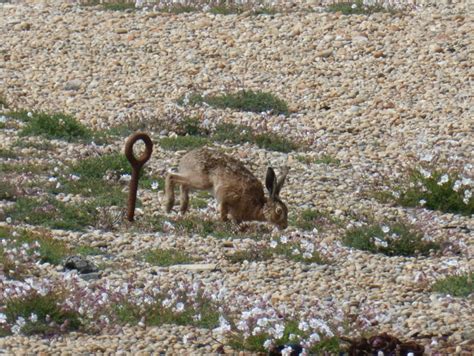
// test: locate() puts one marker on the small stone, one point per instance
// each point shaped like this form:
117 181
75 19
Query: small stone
378 54
79 263
436 48
324 54
121 30
74 85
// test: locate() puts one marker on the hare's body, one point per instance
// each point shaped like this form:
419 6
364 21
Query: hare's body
238 192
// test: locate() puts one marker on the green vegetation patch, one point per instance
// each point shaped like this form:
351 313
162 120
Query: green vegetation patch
201 313
457 286
54 126
167 257
42 314
438 190
243 100
357 8
52 213
390 239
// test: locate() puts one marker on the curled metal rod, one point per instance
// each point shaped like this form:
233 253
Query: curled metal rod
137 164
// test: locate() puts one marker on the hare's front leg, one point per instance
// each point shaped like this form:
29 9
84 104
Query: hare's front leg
171 180
184 198
224 210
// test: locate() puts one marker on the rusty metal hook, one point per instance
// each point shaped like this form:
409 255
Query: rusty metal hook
137 164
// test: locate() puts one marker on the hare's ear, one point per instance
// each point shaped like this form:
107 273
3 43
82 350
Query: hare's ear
271 182
281 180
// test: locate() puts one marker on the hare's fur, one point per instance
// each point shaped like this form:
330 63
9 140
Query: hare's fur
238 192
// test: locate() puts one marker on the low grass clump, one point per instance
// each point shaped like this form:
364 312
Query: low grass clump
397 239
53 126
8 190
238 134
3 102
201 312
456 286
243 100
290 336
358 8
448 192
191 135
324 159
294 251
40 314
310 219
7 153
115 5
50 250
49 212
167 257
29 168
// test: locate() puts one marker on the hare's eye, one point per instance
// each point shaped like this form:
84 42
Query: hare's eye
278 210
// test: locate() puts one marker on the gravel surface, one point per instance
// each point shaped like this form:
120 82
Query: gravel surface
376 93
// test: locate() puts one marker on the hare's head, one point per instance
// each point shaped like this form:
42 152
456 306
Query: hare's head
275 210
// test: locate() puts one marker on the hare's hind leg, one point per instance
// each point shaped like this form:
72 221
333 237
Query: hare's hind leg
171 180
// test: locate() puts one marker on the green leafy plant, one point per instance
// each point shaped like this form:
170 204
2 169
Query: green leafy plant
167 257
53 126
243 100
49 212
49 317
358 8
457 286
438 190
397 239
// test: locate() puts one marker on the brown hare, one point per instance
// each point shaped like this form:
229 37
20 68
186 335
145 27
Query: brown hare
238 192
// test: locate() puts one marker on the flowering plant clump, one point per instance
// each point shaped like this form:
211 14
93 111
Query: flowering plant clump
358 7
396 239
186 304
449 192
16 260
264 327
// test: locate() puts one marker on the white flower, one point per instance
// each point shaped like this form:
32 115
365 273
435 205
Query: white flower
467 194
267 344
262 322
385 229
427 157
307 255
286 351
314 337
410 354
8 220
444 179
30 114
125 178
154 185
3 119
52 179
179 307
284 239
466 181
354 6
273 244
3 318
422 202
33 317
379 242
279 330
303 326
295 252
425 173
